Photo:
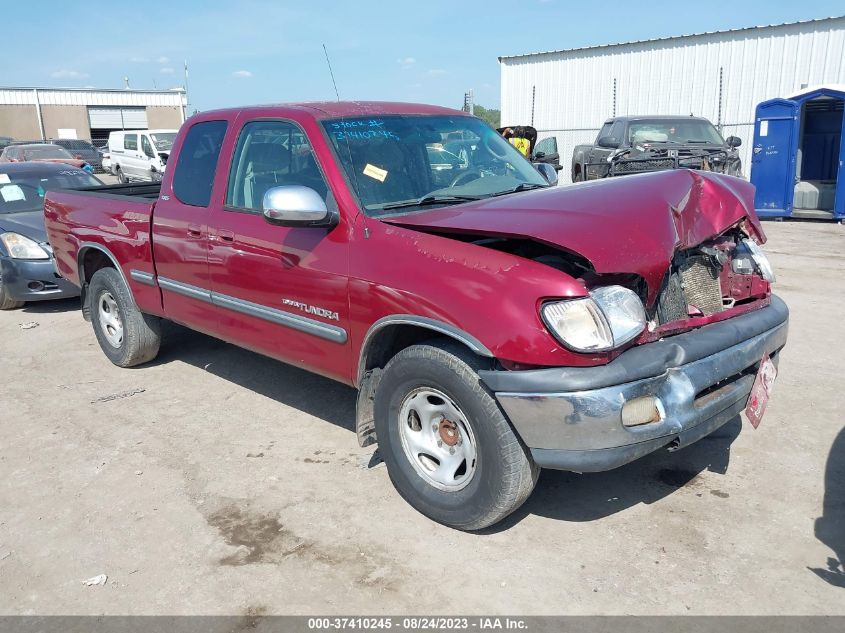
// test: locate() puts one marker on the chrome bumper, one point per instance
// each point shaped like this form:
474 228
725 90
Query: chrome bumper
572 419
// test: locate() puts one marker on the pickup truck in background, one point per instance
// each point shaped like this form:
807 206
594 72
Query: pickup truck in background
633 145
492 324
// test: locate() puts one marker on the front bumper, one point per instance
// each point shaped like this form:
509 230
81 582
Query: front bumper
34 280
571 417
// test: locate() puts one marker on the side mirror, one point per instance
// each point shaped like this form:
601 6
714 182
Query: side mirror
295 205
547 171
733 141
539 155
610 142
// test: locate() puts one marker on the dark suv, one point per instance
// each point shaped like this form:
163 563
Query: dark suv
636 144
82 149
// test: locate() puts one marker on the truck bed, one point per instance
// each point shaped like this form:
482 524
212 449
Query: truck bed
129 190
111 220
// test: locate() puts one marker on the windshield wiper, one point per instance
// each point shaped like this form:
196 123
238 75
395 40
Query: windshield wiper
523 186
429 200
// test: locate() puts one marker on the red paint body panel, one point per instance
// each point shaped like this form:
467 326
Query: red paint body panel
120 226
622 225
365 269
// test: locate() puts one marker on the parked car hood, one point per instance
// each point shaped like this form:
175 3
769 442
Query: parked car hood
624 225
27 223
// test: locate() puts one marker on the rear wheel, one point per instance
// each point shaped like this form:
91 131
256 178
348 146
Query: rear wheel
6 302
125 334
449 449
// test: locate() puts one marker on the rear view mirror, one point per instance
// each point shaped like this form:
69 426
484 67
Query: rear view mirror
733 141
609 142
295 205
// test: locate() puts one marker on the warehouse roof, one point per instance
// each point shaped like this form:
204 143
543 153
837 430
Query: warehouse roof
672 37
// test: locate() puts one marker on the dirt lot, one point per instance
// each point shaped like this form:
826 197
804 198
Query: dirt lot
217 481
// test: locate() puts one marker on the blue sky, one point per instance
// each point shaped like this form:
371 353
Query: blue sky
258 51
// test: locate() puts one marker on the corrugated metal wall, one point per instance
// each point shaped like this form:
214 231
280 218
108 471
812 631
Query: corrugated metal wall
574 89
50 96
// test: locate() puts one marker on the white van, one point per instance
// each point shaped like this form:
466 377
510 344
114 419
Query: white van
140 154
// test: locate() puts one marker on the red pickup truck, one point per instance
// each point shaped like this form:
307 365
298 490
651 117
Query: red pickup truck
492 324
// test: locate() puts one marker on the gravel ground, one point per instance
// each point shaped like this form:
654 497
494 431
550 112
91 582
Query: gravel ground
218 481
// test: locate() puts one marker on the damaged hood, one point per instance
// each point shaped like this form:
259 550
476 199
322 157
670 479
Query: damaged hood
634 224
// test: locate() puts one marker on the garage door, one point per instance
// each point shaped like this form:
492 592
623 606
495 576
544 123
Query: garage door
117 118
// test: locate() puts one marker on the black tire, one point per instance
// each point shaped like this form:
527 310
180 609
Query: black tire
504 474
579 177
120 175
6 302
141 333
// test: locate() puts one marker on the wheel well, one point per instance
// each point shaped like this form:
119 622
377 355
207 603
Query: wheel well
91 261
392 339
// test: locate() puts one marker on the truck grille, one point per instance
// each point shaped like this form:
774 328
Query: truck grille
642 164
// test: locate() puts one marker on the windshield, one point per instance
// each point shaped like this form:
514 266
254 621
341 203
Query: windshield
163 140
673 131
25 192
408 162
35 152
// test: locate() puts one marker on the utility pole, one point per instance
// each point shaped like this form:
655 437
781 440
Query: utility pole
469 102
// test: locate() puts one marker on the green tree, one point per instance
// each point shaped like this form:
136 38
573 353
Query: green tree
493 117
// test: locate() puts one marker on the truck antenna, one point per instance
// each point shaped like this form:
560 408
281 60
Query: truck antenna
331 72
348 148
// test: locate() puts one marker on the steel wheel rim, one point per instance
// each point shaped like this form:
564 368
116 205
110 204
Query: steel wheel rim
110 322
423 416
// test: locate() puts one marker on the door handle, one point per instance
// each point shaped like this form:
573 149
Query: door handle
194 231
226 236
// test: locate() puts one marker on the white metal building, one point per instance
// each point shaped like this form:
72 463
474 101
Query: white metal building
47 113
723 75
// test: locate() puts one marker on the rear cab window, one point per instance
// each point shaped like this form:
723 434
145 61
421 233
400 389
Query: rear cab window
130 141
193 178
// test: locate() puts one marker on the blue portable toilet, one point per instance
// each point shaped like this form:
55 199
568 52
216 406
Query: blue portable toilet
798 155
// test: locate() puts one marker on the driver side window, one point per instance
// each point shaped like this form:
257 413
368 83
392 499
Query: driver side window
271 154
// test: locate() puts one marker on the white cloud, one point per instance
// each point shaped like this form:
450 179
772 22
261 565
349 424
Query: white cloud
242 73
436 71
162 60
68 74
139 60
167 71
406 62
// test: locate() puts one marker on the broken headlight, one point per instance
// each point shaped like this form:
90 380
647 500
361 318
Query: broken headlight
750 258
611 316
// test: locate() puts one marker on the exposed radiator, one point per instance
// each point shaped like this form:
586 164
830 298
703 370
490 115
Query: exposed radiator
694 283
700 280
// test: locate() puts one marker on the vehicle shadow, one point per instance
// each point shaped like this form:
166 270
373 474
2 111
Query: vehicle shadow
575 497
51 307
559 495
830 527
321 397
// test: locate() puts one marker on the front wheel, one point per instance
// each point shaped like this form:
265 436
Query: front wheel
125 334
121 177
6 302
449 449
